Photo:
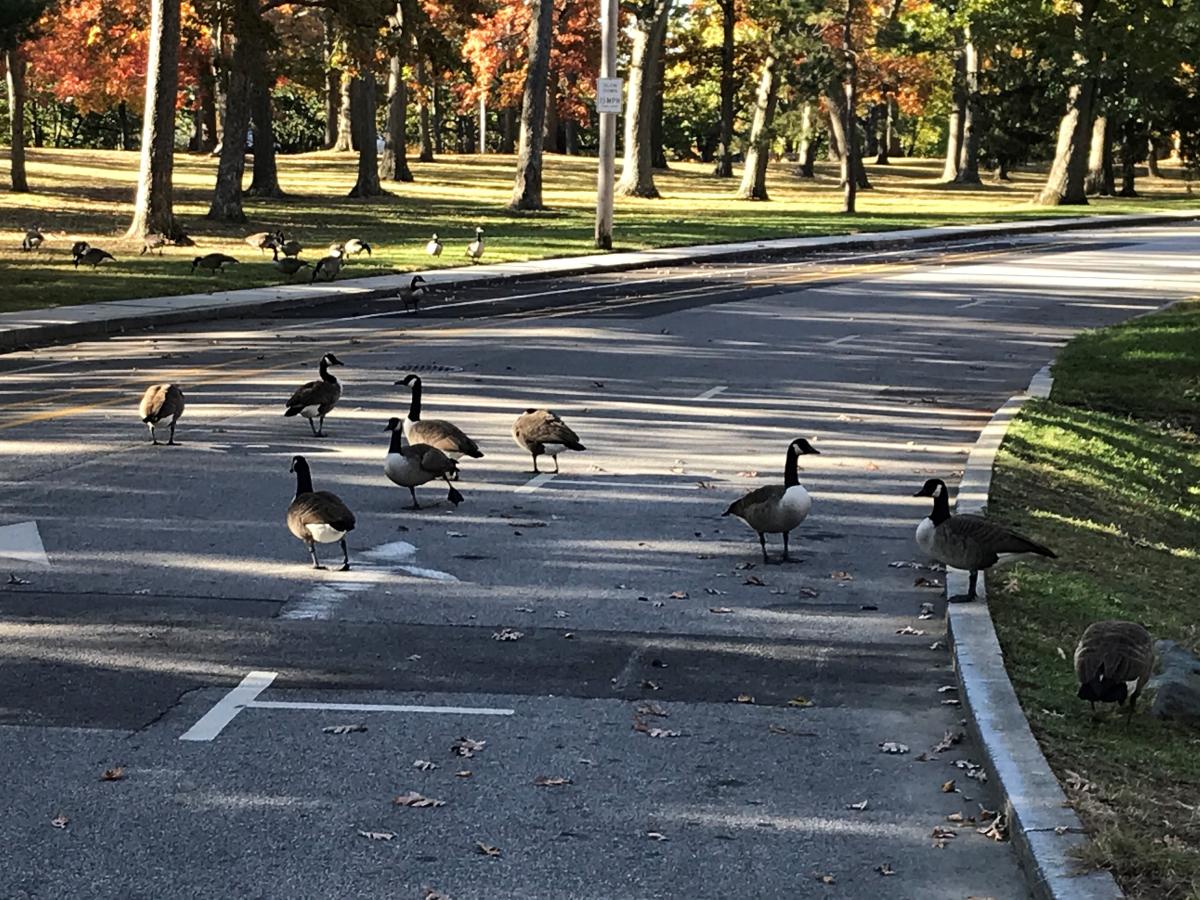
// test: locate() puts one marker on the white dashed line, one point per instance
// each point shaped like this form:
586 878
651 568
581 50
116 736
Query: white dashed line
711 392
534 483
842 340
382 707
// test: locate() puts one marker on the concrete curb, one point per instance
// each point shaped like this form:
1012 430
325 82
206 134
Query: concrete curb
32 328
1043 828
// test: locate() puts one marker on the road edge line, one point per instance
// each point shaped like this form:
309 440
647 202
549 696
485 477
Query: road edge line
1043 828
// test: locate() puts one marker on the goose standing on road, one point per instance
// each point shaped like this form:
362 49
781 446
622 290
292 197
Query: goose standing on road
162 404
412 294
33 239
315 399
967 541
318 517
475 248
437 433
1113 662
434 247
411 465
539 431
212 262
328 266
777 508
91 256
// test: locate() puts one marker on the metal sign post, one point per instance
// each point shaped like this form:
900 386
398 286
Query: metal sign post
608 106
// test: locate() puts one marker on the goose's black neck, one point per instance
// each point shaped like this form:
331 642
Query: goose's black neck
791 467
326 375
303 479
414 407
941 507
396 444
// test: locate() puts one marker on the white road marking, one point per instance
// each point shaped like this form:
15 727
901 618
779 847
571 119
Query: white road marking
534 483
382 707
979 302
214 721
711 392
23 542
842 340
639 485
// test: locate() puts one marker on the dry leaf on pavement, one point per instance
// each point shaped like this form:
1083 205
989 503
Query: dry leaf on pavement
860 805
893 747
744 698
656 836
431 894
938 645
466 747
946 688
377 835
424 765
507 634
885 869
464 773
754 581
940 835
752 474
801 702
551 781
116 773
416 801
720 610
949 739
60 821
824 878
487 849
949 787
343 729
997 830
652 709
649 731
922 581
649 685
908 629
841 576
677 595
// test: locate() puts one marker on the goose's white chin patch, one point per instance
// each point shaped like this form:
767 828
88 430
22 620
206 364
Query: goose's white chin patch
1131 686
925 533
325 534
311 412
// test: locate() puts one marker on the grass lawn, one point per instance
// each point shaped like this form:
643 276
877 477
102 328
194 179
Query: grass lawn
1107 472
87 195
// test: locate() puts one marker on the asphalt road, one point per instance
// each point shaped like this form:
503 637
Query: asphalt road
170 576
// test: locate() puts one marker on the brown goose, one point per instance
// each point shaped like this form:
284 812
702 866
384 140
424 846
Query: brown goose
213 262
265 240
33 239
315 399
352 247
318 517
161 404
411 295
328 266
540 431
154 242
290 265
1113 662
777 508
967 541
437 433
91 256
410 465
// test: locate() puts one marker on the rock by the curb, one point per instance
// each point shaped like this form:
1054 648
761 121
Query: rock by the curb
1177 686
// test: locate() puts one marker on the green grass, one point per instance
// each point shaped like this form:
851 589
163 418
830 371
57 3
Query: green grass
1107 472
86 195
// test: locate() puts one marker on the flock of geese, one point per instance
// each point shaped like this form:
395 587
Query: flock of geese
1113 660
285 254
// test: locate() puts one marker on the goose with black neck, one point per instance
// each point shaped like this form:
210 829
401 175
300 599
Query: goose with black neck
411 465
777 508
315 399
318 517
437 433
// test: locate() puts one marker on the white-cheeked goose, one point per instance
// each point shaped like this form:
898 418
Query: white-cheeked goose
315 399
318 517
162 404
411 465
437 433
777 508
1113 662
539 431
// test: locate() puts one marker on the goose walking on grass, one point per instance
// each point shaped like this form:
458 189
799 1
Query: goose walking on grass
777 508
315 399
412 294
79 248
411 465
967 541
352 247
318 517
1113 662
539 431
437 433
434 247
153 242
328 267
92 256
290 265
33 239
475 248
213 262
265 240
162 404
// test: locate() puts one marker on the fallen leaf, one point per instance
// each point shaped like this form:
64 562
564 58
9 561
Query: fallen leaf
487 849
344 729
431 894
377 835
464 773
926 611
956 818
677 595
997 831
754 581
952 702
942 834
524 609
14 579
985 814
649 685
561 614
922 581
720 610
706 486
860 805
424 765
807 592
650 731
949 787
885 869
872 467
60 821
949 739
973 770
800 701
825 879
778 729
414 657
946 688
893 747
743 566
715 592
924 757
551 781
751 474
455 534
841 576
466 747
938 645
652 709
656 836
116 773
908 629
507 634
744 698
416 801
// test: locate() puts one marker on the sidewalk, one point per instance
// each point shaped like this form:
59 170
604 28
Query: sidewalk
29 328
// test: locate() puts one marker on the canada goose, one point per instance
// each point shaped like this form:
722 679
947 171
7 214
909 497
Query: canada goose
437 433
1113 663
352 247
93 256
79 248
161 404
967 541
265 240
318 517
315 399
475 248
329 266
290 265
33 239
153 242
287 248
541 431
411 295
777 508
434 247
410 465
214 262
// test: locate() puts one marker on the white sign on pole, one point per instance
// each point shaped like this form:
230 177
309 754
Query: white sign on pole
608 95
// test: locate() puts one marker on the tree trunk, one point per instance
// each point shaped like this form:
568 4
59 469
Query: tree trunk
527 191
508 130
551 132
1100 178
15 62
333 84
754 175
658 154
345 125
206 113
1002 169
219 68
571 137
1129 158
153 210
808 144
1064 184
363 106
423 110
838 114
851 160
893 132
1152 158
264 179
871 132
954 132
393 165
439 120
650 31
834 126
885 132
724 168
226 203
968 164
123 124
